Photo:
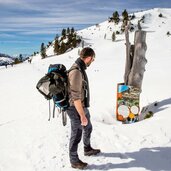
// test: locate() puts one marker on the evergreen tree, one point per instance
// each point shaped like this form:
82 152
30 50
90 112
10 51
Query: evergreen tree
132 17
68 30
43 51
142 19
64 32
56 46
125 15
56 37
113 37
116 17
16 61
62 48
74 42
160 15
49 43
20 58
168 33
117 32
72 30
70 38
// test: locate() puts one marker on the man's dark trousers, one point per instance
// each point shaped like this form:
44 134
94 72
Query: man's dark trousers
76 132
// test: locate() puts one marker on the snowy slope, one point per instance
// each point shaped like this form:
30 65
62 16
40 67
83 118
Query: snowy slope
30 142
6 60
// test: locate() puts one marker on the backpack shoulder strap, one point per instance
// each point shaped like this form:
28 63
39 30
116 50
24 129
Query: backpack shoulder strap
73 68
76 67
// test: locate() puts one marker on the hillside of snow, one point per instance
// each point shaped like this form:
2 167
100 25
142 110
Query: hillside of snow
29 142
6 60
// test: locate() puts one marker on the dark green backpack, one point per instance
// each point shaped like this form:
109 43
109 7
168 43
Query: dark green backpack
54 85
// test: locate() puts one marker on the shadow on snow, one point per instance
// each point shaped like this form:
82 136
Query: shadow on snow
154 159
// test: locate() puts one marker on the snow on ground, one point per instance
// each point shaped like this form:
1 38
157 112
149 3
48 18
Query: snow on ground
30 142
6 60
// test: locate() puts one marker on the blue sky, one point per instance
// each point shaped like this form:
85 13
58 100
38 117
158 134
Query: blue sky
25 24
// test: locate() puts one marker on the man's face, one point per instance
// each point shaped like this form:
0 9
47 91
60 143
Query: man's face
89 60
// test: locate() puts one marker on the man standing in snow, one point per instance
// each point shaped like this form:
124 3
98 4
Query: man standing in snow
78 111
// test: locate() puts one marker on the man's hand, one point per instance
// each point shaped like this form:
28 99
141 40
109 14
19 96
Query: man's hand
80 110
84 121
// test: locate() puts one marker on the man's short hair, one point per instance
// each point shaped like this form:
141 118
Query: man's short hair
86 52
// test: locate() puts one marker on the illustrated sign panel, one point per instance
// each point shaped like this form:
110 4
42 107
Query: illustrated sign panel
127 106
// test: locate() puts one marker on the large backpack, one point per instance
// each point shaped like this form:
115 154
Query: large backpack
54 85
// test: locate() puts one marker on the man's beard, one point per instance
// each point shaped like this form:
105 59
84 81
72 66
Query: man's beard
88 64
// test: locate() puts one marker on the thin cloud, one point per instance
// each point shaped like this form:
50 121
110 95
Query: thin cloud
15 41
37 32
9 2
5 35
42 12
30 18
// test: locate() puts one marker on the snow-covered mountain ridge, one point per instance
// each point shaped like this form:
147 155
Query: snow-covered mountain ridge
29 142
151 17
5 61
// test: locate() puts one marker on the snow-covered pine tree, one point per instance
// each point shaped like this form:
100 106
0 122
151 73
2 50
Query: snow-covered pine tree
43 51
68 31
72 30
63 32
20 57
168 33
116 17
62 48
160 15
56 46
125 15
113 37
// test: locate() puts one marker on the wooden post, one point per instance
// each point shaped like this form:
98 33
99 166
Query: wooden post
138 66
128 60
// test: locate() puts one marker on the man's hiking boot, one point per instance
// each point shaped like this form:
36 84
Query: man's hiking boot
91 152
79 165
